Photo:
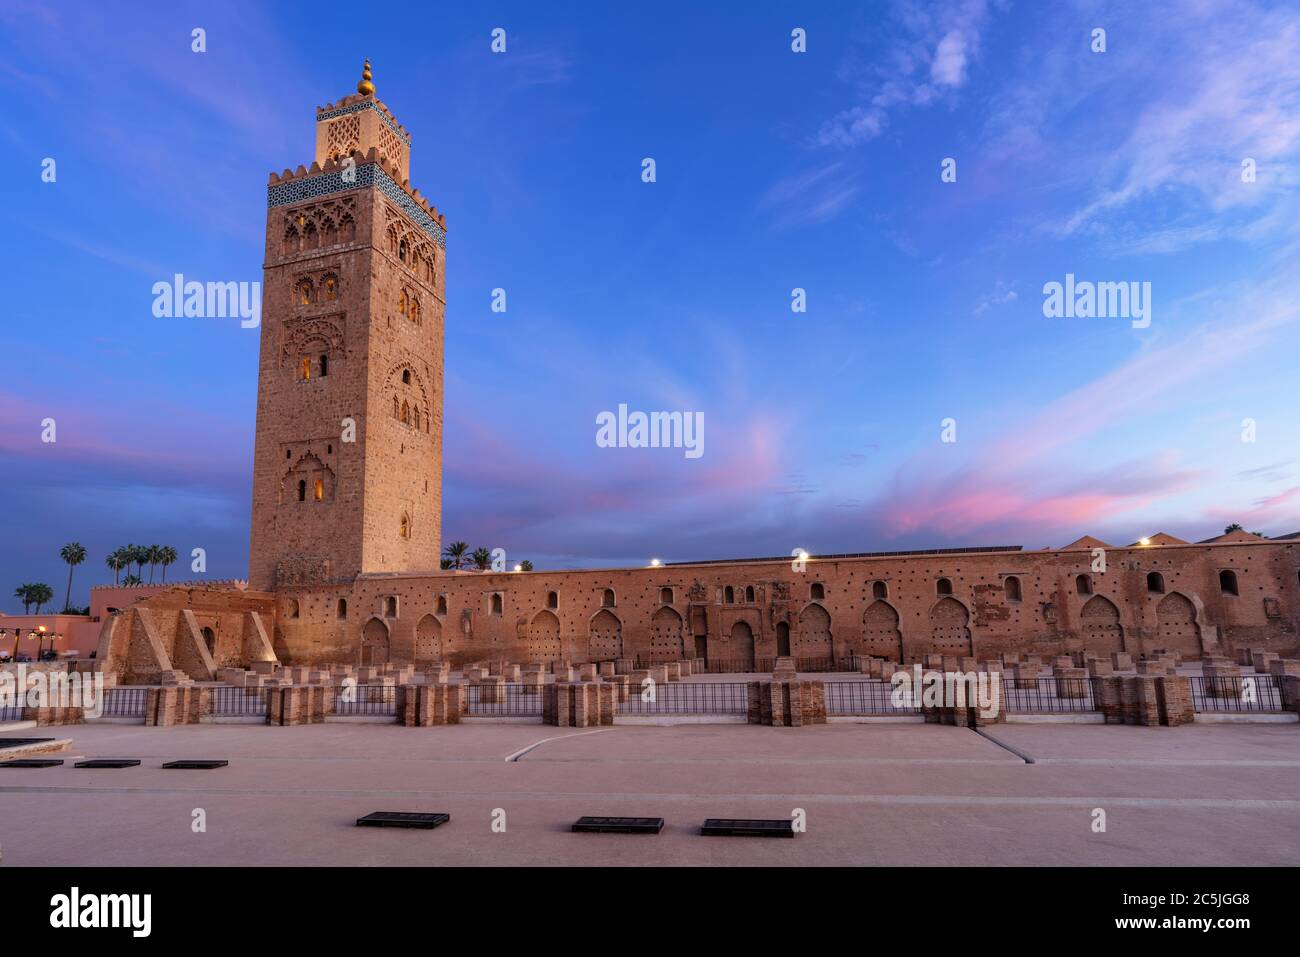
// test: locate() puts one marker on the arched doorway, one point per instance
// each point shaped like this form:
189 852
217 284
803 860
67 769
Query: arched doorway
210 639
881 636
815 634
428 639
1176 626
544 637
742 645
950 628
782 639
605 637
666 635
374 643
1099 626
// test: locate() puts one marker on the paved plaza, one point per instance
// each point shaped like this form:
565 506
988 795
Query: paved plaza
874 794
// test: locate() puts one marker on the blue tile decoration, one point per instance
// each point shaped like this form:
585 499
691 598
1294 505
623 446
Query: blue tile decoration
368 174
356 108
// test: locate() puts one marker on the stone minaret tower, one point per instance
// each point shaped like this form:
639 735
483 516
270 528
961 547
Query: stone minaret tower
347 469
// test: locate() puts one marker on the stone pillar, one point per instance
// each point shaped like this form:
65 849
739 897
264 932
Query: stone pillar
607 669
1100 667
1221 680
621 685
787 704
1284 666
1026 676
1263 660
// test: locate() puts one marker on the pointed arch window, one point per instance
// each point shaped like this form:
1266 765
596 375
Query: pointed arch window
331 287
302 490
406 526
324 366
304 293
304 368
318 490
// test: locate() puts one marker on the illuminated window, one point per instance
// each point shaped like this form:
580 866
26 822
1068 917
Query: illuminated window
304 370
406 526
331 288
318 491
304 293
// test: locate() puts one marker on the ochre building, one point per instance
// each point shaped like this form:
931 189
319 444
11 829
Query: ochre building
346 510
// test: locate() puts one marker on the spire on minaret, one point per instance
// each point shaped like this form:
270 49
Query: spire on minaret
365 87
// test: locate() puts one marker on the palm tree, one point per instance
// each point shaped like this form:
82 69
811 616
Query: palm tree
115 562
74 553
41 593
525 566
456 553
482 559
444 564
166 556
132 580
24 594
154 556
139 555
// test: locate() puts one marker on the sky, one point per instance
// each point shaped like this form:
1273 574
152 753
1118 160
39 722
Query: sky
775 170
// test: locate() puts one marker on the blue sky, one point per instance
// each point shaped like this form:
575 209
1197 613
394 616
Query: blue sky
775 170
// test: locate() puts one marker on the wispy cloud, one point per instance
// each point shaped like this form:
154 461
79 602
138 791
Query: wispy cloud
933 49
813 196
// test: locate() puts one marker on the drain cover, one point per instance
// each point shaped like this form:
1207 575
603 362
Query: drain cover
196 764
402 819
736 827
619 825
108 763
31 763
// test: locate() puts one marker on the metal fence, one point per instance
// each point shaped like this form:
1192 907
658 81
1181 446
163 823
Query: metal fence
124 702
1259 694
365 700
726 666
229 702
11 712
503 701
712 697
865 697
1047 696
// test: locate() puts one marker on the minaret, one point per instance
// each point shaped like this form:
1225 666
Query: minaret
347 470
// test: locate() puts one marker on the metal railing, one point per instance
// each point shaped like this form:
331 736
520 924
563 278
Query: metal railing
764 665
124 702
11 712
502 701
1260 694
229 701
364 700
865 697
713 697
1047 696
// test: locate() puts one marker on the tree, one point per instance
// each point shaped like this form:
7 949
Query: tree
525 566
41 594
154 553
456 553
132 580
1234 527
445 564
167 556
74 553
482 559
117 562
24 594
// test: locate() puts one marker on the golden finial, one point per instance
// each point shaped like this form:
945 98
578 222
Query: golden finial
365 87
